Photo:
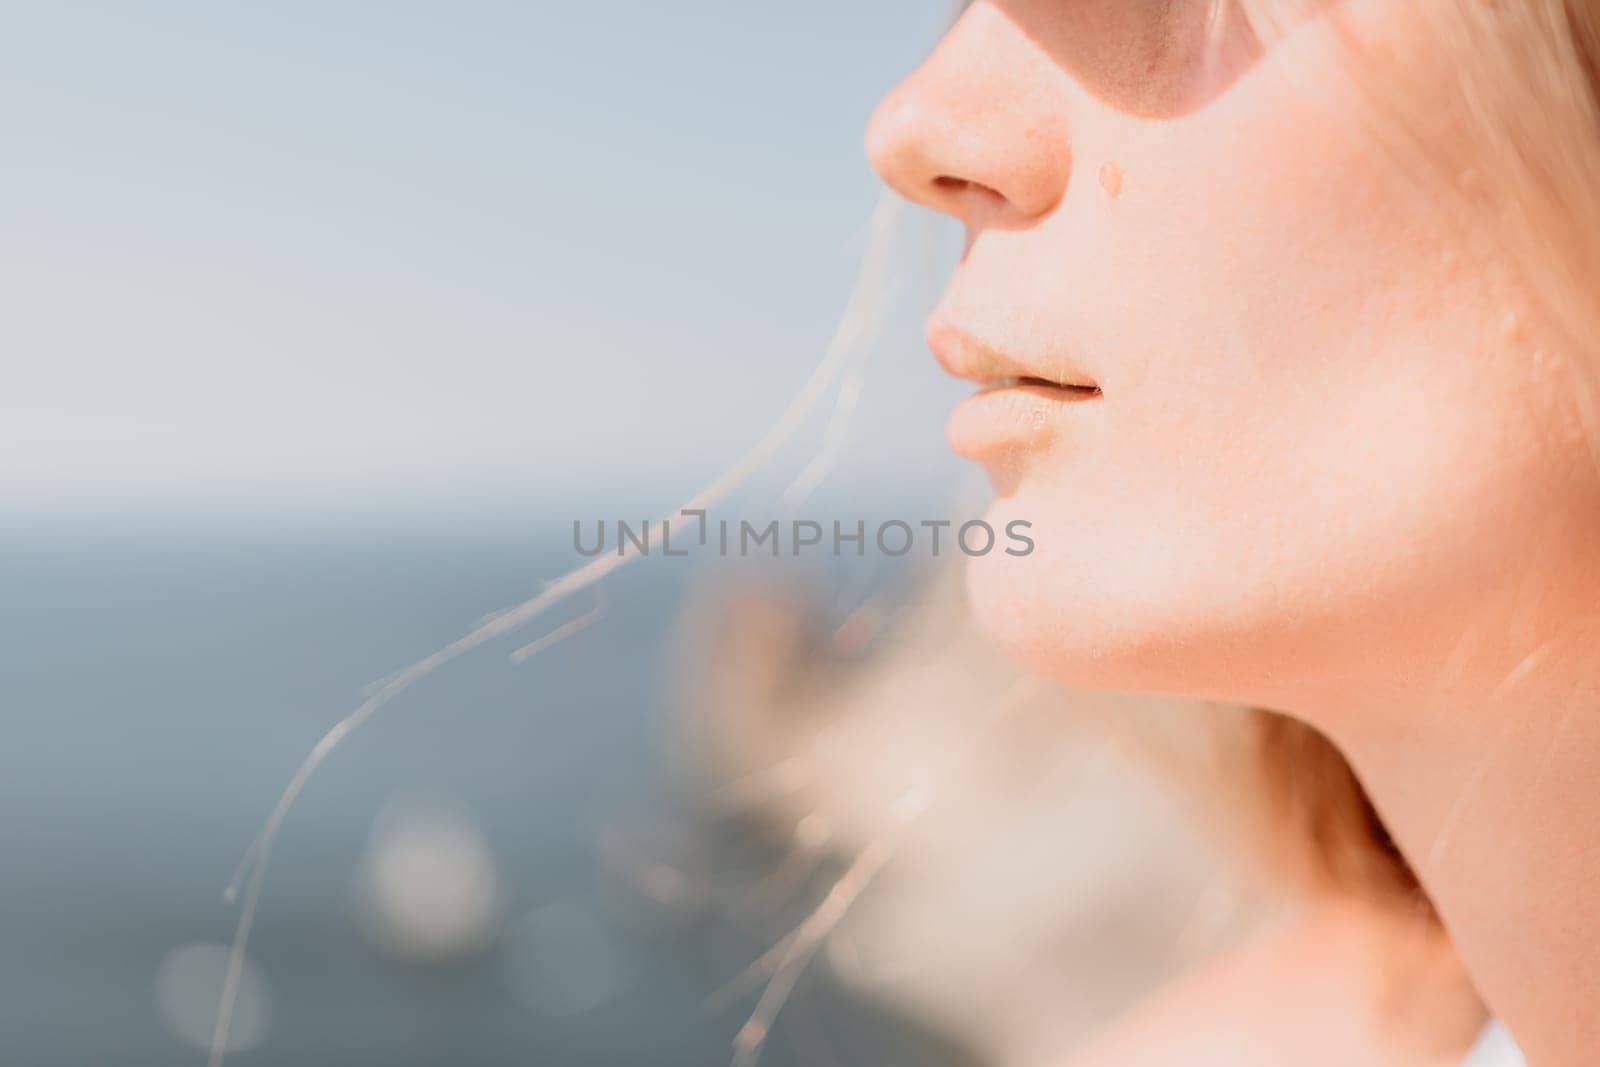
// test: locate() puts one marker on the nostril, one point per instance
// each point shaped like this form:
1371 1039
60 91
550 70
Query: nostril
964 189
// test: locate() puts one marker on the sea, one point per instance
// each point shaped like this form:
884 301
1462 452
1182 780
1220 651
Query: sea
163 674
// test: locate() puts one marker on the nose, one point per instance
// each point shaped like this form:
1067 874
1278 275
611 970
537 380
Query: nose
980 130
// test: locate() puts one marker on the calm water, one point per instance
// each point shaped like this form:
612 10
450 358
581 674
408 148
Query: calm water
161 680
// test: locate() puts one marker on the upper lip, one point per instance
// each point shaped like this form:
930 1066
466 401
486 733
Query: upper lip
966 355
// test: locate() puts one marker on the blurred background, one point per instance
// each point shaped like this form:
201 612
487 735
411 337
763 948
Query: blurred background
321 324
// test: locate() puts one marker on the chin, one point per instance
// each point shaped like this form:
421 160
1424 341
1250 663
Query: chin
1036 610
1081 615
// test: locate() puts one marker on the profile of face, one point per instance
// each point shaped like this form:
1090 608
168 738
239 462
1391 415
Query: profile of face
1280 414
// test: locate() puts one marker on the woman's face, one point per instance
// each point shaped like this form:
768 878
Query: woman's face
1331 436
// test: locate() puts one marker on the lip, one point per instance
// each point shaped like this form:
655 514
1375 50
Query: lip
1005 419
965 355
1020 405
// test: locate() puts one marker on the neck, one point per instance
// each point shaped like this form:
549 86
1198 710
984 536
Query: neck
1495 801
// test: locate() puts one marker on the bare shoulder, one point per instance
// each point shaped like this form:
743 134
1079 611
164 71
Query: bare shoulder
1336 986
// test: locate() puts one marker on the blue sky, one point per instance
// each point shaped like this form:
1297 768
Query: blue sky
300 248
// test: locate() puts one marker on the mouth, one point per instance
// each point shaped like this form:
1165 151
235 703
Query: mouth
1020 406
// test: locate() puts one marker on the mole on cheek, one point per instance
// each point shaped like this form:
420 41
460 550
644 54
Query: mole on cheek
1111 178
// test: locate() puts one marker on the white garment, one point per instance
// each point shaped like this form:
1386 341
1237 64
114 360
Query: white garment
1495 1049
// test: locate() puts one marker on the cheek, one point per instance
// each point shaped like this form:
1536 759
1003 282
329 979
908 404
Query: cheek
1284 537
1301 443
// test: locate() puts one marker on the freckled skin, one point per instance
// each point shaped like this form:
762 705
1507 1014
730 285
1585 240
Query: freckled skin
1338 466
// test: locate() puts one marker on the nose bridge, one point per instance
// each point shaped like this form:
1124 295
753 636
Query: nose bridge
984 118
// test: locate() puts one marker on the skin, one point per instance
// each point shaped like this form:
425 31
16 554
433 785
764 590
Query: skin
1337 464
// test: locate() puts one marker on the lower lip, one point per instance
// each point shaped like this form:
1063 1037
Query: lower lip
1011 418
